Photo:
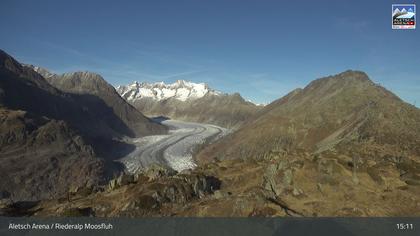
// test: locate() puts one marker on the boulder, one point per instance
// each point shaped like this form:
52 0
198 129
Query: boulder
125 179
287 177
112 185
269 179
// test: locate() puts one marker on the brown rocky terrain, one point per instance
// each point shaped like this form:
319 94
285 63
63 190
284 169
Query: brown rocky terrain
42 157
346 113
347 146
149 193
52 141
301 185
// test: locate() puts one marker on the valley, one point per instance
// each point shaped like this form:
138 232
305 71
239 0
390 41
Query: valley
173 150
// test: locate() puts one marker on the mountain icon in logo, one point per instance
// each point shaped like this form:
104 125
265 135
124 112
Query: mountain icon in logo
396 11
403 13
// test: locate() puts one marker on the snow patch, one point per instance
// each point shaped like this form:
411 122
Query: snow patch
181 90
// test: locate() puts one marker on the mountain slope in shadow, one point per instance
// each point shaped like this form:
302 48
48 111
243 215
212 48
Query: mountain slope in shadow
52 141
88 83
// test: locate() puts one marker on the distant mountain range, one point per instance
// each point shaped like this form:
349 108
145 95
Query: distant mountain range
189 101
181 90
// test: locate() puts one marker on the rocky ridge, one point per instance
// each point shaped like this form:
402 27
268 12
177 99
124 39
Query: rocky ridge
189 101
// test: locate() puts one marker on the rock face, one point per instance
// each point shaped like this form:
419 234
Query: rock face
189 102
51 140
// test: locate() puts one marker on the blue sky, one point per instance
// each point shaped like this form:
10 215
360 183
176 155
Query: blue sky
262 49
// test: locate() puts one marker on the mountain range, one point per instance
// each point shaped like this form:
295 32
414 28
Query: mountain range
181 90
341 146
189 101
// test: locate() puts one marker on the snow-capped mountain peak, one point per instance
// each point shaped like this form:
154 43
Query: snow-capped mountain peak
181 90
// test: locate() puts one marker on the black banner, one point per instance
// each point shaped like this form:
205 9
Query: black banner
210 226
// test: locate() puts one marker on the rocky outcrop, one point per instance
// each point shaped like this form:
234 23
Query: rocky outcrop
122 180
151 173
126 196
156 171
